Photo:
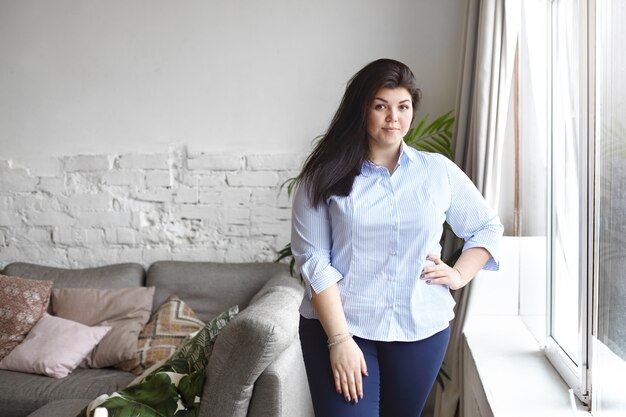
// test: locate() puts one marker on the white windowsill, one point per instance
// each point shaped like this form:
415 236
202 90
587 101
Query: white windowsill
515 375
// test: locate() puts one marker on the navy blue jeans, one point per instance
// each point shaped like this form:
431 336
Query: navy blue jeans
401 374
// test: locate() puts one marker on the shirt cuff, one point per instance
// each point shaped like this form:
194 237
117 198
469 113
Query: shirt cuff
319 280
493 264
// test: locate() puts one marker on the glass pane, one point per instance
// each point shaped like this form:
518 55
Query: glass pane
609 373
611 167
533 163
565 177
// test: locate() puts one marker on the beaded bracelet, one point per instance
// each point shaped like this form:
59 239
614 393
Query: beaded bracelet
344 337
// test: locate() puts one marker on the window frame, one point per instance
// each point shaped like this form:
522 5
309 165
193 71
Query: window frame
576 375
595 376
596 346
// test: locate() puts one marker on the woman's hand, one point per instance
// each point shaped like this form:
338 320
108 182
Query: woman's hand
442 274
348 366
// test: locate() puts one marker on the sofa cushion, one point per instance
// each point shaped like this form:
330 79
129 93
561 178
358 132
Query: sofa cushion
173 387
163 334
54 347
110 276
125 310
61 408
24 393
249 344
209 288
22 303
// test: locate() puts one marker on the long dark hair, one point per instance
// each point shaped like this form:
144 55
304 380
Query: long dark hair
338 156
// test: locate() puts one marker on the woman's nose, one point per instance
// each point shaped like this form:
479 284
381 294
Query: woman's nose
392 116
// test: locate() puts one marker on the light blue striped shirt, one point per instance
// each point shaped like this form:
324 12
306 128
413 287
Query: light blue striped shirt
373 243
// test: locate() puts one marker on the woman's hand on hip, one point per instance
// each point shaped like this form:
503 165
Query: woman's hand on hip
442 274
348 367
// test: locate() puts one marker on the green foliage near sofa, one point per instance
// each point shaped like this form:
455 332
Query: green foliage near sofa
172 389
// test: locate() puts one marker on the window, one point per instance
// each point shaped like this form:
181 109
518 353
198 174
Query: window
571 189
568 195
532 145
608 368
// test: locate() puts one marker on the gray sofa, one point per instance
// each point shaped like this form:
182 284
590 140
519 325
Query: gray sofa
256 367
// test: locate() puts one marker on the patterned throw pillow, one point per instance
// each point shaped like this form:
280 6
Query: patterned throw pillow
164 333
22 303
173 389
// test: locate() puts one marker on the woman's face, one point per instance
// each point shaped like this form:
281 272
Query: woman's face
389 117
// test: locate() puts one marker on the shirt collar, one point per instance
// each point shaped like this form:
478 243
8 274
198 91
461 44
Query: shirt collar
406 156
406 153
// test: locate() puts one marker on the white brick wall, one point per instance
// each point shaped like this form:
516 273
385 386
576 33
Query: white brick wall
87 163
90 210
215 162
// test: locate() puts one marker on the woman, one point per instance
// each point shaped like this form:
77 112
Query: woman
368 216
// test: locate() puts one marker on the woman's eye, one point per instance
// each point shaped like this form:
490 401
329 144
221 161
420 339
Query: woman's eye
380 107
404 107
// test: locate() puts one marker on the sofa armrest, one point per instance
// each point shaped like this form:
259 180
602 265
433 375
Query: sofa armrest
282 390
248 344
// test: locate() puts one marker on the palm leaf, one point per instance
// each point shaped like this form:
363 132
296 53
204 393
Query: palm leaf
285 253
433 137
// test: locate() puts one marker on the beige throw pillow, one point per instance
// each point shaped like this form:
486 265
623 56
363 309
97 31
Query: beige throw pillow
125 310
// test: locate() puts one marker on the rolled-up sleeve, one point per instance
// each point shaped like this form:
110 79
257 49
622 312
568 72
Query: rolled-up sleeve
311 243
471 218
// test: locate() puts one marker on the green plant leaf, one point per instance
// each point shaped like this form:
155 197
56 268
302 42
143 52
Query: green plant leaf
290 183
121 407
285 253
157 392
433 137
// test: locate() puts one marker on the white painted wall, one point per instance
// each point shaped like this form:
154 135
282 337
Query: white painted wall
137 76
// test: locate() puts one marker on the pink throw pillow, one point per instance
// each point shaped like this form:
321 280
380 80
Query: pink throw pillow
22 303
54 347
